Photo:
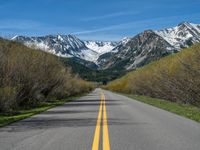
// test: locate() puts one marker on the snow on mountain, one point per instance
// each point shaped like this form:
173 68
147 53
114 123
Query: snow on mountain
181 35
101 47
87 54
135 52
125 40
68 46
14 37
149 46
128 54
60 45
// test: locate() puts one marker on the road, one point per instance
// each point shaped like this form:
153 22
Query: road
102 120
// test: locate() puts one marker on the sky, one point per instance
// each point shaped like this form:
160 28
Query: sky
107 20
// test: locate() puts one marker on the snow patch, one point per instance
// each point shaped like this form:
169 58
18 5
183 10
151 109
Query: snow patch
125 40
100 47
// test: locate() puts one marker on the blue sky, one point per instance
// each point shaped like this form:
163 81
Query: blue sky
93 19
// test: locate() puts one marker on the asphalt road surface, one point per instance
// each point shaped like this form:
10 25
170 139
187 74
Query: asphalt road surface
102 120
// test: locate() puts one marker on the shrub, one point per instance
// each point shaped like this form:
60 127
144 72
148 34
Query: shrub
175 78
29 77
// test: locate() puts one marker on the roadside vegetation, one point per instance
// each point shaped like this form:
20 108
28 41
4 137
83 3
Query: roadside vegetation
175 78
22 113
31 78
186 110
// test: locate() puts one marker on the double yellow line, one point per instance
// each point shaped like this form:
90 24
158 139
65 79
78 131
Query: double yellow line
101 116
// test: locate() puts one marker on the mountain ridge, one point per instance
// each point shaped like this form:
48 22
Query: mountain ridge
128 54
68 46
150 45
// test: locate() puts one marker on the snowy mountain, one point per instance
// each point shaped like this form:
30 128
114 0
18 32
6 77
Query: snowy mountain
61 45
149 46
127 54
68 46
181 35
125 40
137 51
101 47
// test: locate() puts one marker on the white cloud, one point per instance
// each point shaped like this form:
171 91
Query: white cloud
112 15
18 24
140 24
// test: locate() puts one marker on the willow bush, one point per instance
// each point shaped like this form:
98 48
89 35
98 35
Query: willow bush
175 78
29 77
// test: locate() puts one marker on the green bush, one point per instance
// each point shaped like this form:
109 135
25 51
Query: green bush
7 98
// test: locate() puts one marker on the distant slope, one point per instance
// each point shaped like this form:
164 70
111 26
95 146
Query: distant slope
78 68
181 36
101 47
60 45
138 51
90 74
68 46
175 78
87 64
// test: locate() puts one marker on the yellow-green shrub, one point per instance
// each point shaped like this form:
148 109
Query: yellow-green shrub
28 77
175 78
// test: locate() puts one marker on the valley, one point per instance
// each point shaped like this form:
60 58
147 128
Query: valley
99 75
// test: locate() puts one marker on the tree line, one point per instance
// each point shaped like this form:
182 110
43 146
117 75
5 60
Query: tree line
93 75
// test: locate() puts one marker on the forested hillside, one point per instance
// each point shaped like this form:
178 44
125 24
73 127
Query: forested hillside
175 78
29 77
94 75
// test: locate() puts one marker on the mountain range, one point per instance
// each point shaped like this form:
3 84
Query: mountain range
127 54
68 46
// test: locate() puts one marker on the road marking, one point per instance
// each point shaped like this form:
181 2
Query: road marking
106 143
95 145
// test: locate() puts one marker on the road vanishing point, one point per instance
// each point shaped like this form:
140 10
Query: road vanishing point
102 120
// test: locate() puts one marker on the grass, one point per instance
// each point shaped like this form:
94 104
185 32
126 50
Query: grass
185 110
6 119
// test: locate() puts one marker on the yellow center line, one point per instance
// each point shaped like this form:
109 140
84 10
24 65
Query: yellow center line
106 143
95 145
